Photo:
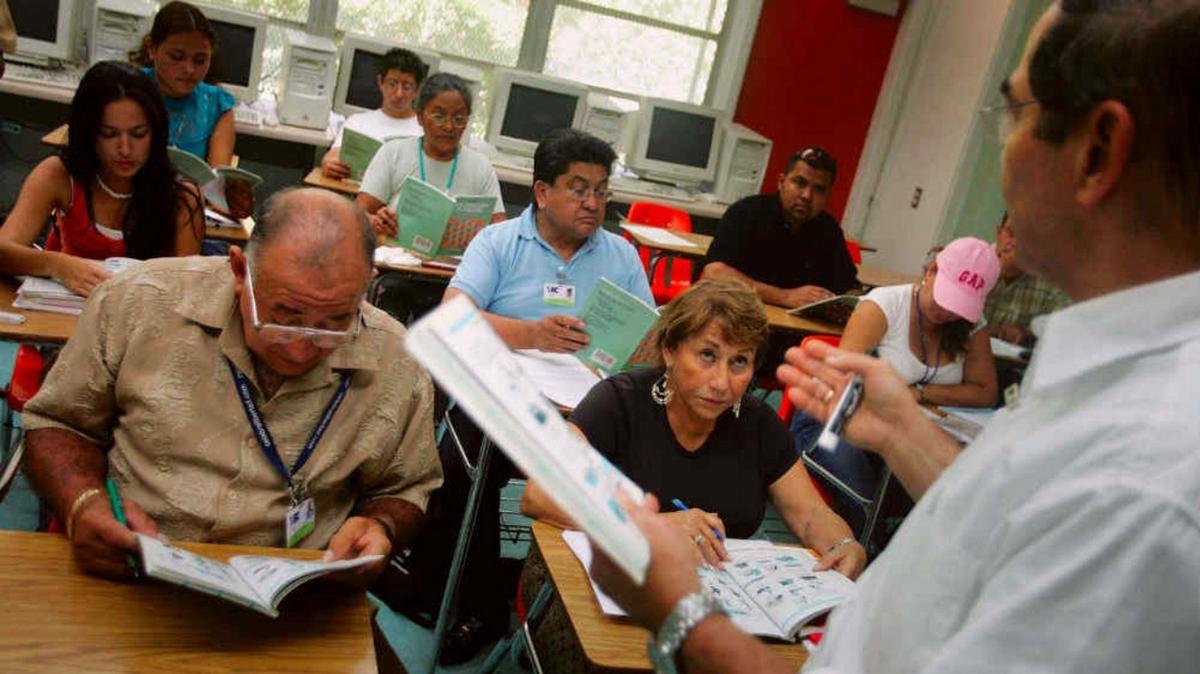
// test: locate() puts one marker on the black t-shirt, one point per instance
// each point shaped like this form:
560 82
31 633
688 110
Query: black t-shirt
754 238
729 474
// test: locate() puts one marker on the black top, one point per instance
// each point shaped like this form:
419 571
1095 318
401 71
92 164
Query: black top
754 238
729 474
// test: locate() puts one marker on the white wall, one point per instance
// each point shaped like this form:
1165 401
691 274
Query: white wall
923 123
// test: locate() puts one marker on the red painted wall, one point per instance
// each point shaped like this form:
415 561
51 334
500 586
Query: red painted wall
813 78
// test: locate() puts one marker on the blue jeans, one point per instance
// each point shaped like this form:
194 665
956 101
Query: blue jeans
848 463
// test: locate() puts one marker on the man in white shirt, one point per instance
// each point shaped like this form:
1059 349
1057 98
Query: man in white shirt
400 75
1066 537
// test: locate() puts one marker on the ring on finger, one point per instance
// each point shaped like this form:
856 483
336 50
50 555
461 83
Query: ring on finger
828 396
698 539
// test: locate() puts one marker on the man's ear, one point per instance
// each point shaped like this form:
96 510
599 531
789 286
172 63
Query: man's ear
1107 138
539 193
237 264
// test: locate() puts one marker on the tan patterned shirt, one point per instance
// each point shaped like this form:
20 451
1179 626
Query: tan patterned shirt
145 375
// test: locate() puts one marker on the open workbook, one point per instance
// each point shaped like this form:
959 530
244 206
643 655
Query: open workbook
47 294
214 182
617 321
468 359
358 149
767 589
254 581
435 224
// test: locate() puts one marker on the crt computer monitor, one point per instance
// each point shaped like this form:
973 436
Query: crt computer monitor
676 142
356 89
527 106
240 40
45 29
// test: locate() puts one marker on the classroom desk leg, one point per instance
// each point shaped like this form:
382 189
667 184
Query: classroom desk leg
522 640
461 548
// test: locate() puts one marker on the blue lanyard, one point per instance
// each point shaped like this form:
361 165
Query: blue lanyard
926 376
267 443
421 163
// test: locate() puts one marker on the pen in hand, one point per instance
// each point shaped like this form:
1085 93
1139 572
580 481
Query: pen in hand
681 506
846 404
114 500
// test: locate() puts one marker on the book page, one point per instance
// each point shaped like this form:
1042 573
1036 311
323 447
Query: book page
422 212
470 215
358 149
191 166
659 235
559 376
835 310
782 582
274 577
616 321
470 361
176 565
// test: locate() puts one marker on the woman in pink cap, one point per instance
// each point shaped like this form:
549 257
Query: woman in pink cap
931 333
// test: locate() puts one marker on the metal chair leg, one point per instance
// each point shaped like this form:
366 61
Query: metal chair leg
876 505
523 638
461 548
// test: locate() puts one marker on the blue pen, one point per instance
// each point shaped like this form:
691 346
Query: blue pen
682 506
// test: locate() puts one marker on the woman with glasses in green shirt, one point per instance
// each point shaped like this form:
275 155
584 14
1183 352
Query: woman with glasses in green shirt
438 157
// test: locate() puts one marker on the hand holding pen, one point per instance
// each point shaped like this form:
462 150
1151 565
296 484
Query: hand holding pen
705 529
103 545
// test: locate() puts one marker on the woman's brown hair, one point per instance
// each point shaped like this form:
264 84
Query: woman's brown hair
731 304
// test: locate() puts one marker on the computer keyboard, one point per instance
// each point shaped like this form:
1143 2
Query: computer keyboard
67 78
649 189
247 116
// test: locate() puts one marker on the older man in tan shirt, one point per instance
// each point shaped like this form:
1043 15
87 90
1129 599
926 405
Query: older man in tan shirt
147 392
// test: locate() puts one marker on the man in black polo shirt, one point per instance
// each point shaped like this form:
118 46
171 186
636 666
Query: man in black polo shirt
785 245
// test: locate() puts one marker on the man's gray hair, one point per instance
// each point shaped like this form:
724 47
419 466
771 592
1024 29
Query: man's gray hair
287 210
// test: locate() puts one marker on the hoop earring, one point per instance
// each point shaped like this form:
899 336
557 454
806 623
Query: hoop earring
737 408
660 392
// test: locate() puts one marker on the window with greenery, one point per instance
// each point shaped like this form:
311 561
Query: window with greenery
289 10
662 48
480 30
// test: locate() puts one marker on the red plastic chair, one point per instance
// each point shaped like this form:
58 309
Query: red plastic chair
785 408
666 280
28 368
855 251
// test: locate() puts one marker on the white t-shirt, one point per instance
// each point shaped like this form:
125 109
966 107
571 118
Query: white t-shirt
896 304
380 126
1065 538
397 160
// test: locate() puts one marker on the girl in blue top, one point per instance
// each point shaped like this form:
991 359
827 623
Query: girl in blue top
177 54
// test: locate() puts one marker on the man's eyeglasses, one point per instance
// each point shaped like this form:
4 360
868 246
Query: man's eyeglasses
406 87
457 121
287 334
581 194
1002 117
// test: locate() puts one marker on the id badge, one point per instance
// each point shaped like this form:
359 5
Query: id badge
558 294
300 521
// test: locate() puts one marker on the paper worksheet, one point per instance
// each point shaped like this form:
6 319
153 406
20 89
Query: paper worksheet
659 235
559 376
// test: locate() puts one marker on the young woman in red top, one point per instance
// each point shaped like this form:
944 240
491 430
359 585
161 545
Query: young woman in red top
112 192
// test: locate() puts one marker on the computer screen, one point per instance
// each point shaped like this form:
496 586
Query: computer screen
36 19
532 113
362 90
680 137
676 142
234 60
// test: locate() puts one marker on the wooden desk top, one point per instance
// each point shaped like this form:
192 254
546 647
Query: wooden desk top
698 249
780 319
874 276
237 235
40 326
315 179
57 619
609 644
56 138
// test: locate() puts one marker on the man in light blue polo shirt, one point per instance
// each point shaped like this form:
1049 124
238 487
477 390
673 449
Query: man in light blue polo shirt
530 275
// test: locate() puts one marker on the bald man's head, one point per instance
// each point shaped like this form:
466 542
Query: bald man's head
319 228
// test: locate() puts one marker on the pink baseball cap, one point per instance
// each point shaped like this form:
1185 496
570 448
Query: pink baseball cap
967 269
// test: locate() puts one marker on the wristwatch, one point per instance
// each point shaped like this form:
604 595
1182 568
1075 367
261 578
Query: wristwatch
688 613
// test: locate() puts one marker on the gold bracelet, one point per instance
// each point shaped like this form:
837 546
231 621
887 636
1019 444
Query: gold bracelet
835 546
84 496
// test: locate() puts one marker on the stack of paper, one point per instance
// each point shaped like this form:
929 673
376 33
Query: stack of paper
44 294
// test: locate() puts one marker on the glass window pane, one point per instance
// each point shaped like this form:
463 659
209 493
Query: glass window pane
626 56
708 15
292 10
487 30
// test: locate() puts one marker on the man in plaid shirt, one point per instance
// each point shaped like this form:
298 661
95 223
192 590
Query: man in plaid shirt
1018 297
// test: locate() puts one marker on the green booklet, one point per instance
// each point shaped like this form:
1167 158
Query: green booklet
434 224
617 322
358 149
211 180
